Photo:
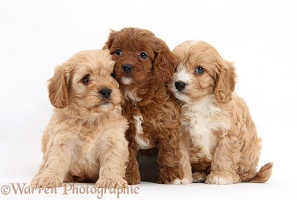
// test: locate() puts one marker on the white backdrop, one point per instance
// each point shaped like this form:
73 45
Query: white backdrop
259 36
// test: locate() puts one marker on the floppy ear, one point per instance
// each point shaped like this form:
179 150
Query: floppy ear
225 83
58 88
165 61
110 40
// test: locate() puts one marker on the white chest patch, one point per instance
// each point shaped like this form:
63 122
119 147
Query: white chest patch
138 124
143 143
131 96
202 119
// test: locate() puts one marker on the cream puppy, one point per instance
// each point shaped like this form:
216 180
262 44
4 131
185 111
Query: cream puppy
225 146
84 140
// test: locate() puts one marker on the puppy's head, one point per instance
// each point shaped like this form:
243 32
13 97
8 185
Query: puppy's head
140 56
85 82
201 72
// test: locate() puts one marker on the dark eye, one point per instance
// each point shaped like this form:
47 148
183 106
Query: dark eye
143 55
85 79
118 52
199 70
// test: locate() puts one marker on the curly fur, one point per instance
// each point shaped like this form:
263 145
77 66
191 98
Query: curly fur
225 146
85 138
152 111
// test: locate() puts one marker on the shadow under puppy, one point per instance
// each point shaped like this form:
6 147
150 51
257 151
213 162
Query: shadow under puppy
225 144
85 138
143 66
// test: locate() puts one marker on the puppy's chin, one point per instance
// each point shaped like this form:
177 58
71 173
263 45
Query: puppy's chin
102 107
126 80
182 97
106 107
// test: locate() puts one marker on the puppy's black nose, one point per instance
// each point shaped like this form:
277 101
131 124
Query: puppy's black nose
105 92
127 68
180 85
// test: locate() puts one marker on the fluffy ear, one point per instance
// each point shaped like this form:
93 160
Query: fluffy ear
58 88
165 61
225 83
110 40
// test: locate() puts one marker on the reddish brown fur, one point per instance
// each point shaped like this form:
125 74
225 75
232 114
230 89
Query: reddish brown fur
147 96
199 163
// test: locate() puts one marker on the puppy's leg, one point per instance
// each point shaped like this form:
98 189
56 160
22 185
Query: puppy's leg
185 161
54 167
113 159
169 160
200 164
225 162
132 172
44 143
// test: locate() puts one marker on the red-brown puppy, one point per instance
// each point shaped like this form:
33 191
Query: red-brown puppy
144 64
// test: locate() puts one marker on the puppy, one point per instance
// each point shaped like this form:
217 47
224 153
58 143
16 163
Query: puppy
225 144
85 138
143 65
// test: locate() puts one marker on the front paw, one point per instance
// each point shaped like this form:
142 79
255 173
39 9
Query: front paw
111 182
219 178
133 178
46 181
183 181
170 176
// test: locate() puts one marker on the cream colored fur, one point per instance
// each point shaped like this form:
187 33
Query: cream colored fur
216 118
84 140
